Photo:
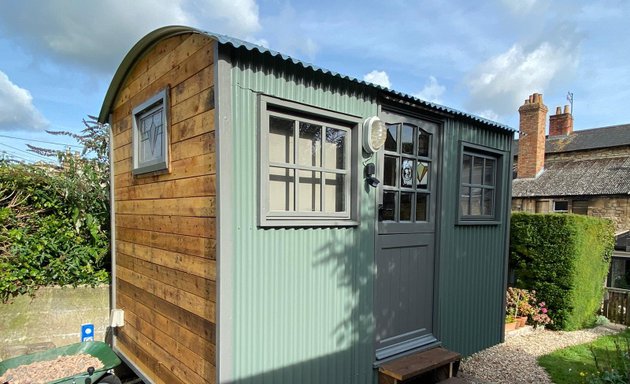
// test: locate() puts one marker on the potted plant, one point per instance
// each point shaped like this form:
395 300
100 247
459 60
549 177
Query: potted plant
518 305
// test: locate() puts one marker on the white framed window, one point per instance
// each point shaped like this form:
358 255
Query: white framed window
479 186
150 134
306 173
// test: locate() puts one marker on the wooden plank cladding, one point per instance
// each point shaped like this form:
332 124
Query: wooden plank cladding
165 268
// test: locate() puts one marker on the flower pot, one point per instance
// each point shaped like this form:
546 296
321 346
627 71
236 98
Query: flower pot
521 321
510 326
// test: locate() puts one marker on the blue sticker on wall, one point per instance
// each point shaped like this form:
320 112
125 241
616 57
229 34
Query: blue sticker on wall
87 332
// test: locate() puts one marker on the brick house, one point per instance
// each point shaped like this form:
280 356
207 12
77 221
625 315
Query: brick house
583 172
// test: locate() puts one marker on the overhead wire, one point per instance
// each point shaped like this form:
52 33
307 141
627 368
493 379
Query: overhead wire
42 141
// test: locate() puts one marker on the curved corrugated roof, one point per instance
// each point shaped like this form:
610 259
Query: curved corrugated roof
152 38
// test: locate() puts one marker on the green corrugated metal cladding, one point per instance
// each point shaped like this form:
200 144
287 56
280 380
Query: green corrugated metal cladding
302 296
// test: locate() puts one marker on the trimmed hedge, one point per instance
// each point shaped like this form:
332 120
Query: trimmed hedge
565 258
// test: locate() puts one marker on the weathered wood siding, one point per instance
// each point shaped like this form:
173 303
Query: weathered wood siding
165 223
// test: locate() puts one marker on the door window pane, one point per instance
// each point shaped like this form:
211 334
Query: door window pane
281 182
423 143
405 206
310 144
388 211
422 175
406 139
281 140
389 171
421 207
334 193
309 191
335 148
406 173
391 142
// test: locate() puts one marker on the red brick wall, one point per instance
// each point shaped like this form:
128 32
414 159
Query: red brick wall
531 147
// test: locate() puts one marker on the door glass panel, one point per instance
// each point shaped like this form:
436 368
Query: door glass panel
388 211
309 191
421 207
391 142
310 144
422 175
406 138
281 182
334 186
389 172
406 173
423 143
405 206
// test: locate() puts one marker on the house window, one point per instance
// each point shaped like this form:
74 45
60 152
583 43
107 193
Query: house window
560 206
478 187
150 134
306 176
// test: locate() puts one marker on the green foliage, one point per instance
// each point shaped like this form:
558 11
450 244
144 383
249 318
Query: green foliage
54 221
565 259
603 361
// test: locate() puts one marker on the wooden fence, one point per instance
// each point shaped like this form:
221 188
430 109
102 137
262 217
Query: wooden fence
616 305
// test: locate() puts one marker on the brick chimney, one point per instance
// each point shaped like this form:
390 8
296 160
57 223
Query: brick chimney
561 123
531 142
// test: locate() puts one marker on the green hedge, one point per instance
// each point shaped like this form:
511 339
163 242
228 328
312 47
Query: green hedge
54 228
565 258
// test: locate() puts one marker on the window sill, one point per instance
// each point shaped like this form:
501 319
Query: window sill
306 223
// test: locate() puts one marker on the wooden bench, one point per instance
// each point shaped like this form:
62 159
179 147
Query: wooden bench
431 366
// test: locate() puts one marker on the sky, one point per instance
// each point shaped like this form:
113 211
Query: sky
57 57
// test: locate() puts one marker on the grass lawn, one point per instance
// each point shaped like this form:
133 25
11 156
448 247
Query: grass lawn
571 365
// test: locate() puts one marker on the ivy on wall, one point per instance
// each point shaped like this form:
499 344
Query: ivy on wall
54 220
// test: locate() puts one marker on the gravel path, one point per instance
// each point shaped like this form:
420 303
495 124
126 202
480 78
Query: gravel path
515 360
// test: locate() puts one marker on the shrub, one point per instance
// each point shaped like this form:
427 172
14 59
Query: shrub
54 221
565 259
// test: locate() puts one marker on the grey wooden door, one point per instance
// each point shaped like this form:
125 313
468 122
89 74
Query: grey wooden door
405 257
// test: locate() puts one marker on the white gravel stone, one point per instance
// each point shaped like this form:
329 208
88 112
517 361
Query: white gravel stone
514 361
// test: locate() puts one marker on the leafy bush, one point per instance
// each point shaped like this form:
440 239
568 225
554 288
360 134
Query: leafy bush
54 221
565 259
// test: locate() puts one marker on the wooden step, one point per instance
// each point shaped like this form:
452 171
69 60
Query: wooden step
429 366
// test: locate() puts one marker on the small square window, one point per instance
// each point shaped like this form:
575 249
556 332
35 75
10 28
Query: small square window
561 206
479 188
150 134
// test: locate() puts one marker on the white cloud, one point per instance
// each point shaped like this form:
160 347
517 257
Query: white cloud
520 6
488 114
17 111
501 83
378 78
97 34
432 91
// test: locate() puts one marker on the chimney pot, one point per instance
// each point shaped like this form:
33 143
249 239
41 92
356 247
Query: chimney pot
566 109
558 110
